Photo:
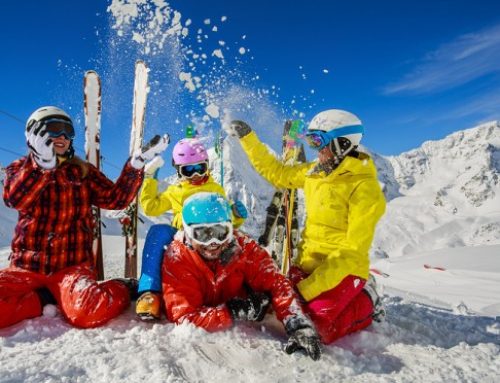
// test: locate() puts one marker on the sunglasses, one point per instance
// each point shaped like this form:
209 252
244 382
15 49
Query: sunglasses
56 127
189 171
209 233
318 139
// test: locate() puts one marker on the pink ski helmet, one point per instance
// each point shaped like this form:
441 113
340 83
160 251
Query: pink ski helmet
189 151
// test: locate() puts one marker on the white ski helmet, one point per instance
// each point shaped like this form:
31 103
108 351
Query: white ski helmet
45 112
336 119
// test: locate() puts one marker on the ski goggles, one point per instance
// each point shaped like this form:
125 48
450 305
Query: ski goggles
207 234
190 170
56 127
318 139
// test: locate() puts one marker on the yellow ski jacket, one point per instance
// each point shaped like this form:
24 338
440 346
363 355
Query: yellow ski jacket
342 210
154 204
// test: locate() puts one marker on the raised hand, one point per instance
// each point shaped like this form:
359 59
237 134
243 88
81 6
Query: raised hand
40 145
156 146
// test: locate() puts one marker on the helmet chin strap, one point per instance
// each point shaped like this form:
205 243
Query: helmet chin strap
199 182
337 155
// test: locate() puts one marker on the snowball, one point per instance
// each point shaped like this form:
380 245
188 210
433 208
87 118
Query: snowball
218 53
212 110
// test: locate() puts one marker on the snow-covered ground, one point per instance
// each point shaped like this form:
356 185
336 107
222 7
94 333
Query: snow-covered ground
427 337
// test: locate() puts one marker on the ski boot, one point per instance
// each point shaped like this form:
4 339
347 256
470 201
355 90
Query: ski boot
370 289
148 306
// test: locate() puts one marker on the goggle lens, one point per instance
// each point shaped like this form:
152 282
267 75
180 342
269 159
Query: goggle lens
316 140
206 234
190 170
58 127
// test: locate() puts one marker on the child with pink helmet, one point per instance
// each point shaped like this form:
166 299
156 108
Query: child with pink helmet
191 162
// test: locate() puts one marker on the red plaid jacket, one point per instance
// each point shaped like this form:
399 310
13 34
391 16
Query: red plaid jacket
55 225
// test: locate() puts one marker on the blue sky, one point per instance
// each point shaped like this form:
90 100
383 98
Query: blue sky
411 70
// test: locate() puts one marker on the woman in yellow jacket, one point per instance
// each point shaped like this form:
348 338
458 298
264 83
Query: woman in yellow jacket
343 203
190 159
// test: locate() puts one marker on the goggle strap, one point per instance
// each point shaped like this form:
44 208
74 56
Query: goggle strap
345 130
61 120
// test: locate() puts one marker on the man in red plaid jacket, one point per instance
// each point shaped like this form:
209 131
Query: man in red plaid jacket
51 259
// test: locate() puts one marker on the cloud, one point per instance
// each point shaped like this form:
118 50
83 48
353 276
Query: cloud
484 107
458 62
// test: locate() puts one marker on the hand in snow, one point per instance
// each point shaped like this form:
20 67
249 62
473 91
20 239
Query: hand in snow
237 128
154 147
253 308
239 210
303 337
41 145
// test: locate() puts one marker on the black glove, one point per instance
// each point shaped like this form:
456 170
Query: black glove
303 337
253 308
237 128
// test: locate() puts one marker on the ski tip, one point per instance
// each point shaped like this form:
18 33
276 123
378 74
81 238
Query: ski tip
91 72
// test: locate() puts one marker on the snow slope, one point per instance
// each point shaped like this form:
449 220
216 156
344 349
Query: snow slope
419 342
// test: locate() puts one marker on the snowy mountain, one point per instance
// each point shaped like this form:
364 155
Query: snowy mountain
444 194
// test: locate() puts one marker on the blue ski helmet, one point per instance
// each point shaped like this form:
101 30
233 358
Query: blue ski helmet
205 208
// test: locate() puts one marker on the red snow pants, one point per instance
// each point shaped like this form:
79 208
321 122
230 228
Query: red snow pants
339 311
83 301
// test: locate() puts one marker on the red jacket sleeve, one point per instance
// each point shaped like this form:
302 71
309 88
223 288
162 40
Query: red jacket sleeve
262 275
183 293
117 195
24 182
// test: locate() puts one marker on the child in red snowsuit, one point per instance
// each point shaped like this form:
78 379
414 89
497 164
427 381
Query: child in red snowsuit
213 276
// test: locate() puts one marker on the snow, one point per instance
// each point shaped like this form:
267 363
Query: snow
218 53
419 342
151 23
188 81
212 110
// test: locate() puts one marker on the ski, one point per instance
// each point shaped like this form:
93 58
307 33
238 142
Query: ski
281 230
219 150
294 152
92 111
379 272
431 267
130 219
